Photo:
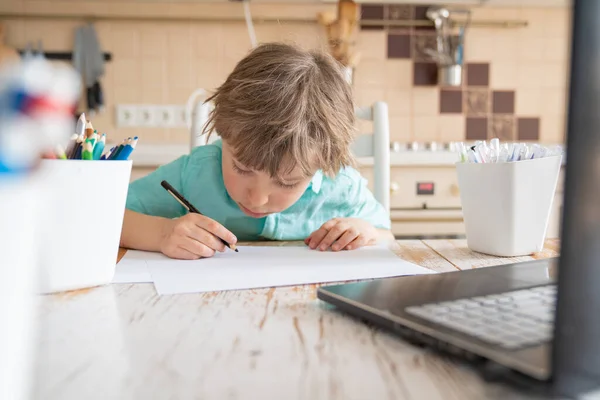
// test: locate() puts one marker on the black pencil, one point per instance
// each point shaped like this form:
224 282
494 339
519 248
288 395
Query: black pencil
188 206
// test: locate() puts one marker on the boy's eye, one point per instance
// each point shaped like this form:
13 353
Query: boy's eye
287 185
241 171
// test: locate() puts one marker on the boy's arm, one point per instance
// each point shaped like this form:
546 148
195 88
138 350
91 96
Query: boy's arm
385 235
142 232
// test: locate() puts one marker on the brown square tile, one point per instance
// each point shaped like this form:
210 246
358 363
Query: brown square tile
372 12
425 74
400 12
421 15
422 42
528 128
478 74
477 128
398 46
502 127
450 101
503 101
477 102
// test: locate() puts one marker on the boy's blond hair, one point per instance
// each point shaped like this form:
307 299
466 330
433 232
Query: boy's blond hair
284 107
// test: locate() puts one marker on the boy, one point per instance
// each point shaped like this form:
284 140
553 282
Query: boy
280 171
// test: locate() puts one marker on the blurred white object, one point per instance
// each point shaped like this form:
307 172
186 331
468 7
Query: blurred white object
506 206
19 201
376 145
196 116
80 227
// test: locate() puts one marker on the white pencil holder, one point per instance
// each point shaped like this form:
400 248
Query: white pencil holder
19 205
506 206
81 222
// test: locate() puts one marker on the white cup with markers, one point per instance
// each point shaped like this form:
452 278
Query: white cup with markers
507 193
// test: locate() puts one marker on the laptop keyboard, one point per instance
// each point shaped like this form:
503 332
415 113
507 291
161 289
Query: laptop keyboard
512 320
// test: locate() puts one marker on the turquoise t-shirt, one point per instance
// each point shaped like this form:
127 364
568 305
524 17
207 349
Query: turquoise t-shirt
199 178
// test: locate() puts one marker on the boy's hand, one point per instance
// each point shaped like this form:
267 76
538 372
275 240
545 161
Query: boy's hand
194 236
343 234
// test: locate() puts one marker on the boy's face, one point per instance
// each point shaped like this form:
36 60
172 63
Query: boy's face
255 192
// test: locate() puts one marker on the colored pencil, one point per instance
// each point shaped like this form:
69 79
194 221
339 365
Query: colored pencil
99 148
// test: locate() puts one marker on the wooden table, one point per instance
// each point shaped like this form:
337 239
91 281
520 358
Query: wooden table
126 342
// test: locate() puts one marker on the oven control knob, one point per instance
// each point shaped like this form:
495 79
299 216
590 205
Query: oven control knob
454 190
394 187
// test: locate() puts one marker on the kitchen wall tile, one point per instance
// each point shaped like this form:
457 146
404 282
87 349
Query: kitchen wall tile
372 45
399 102
536 22
529 101
528 128
372 12
154 73
370 73
127 72
425 74
178 135
400 12
208 40
154 95
504 45
558 23
399 73
476 128
124 40
552 130
503 75
152 136
531 75
530 48
554 102
127 94
422 43
14 33
369 11
477 102
399 45
478 47
209 74
153 41
425 129
555 49
451 102
236 43
503 102
452 127
502 127
425 101
180 42
181 73
400 129
478 74
554 75
367 96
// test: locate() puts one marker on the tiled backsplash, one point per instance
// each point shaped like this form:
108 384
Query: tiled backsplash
514 86
514 79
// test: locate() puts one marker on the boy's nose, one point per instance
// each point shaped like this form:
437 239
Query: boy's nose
256 199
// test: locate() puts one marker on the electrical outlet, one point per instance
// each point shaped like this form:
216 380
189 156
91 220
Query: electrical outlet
146 115
170 116
165 116
126 115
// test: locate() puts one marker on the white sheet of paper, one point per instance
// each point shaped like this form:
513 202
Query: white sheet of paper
257 267
133 268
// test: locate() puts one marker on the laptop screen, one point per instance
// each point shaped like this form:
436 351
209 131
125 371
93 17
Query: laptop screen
576 351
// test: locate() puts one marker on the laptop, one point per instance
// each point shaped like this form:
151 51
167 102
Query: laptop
538 321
